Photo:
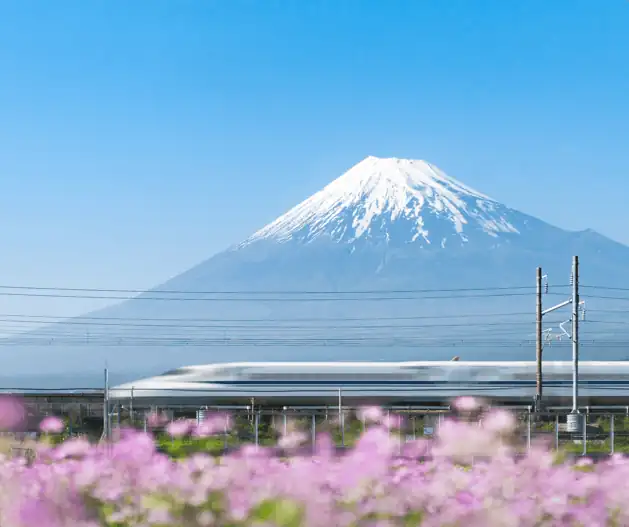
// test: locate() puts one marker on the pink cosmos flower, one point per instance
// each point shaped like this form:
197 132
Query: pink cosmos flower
394 421
72 448
366 485
292 440
179 428
52 425
155 419
12 413
212 425
466 404
209 427
499 421
370 414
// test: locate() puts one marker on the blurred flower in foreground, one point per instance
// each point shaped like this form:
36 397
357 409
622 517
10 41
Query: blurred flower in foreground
52 425
155 419
212 425
292 440
394 421
180 427
469 475
12 413
73 448
466 404
370 414
499 422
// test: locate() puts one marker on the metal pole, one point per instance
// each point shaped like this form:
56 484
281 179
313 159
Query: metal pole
106 406
574 419
585 434
341 420
575 334
131 408
313 429
611 433
528 430
399 429
285 423
257 425
557 432
538 340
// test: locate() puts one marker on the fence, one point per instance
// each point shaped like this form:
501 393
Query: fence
604 431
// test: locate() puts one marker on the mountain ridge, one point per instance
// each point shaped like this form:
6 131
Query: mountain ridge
236 329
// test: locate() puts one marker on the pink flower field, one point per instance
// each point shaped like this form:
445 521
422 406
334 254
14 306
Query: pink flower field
469 475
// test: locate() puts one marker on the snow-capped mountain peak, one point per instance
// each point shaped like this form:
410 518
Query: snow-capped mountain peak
393 201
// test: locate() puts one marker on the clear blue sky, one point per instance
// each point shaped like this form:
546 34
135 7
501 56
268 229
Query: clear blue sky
139 138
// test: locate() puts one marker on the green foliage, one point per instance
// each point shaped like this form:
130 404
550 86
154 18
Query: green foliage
179 448
281 513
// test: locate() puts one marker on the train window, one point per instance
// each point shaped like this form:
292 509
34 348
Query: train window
228 372
332 376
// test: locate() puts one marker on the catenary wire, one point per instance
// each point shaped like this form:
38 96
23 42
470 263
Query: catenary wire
269 292
271 299
285 319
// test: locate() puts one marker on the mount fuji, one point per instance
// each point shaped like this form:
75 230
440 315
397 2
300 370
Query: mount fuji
393 260
396 202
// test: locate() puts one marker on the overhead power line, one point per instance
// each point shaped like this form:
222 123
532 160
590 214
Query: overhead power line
604 297
53 319
604 287
417 342
271 299
261 292
273 327
56 319
271 296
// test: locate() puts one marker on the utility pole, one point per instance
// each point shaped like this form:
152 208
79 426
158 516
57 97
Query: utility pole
341 419
538 341
540 313
573 423
131 408
106 415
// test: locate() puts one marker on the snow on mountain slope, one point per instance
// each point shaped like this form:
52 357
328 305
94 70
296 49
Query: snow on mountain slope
395 201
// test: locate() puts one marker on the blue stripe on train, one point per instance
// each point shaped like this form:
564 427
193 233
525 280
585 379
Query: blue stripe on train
416 383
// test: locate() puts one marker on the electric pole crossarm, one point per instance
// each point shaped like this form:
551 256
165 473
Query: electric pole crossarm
558 306
564 329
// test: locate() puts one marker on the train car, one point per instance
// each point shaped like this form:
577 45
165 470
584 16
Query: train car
421 383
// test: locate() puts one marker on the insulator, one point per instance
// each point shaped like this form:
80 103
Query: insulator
546 287
583 316
571 278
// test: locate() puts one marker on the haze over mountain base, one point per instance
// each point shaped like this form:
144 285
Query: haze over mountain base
373 267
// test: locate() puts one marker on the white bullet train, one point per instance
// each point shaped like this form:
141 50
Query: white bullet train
311 383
